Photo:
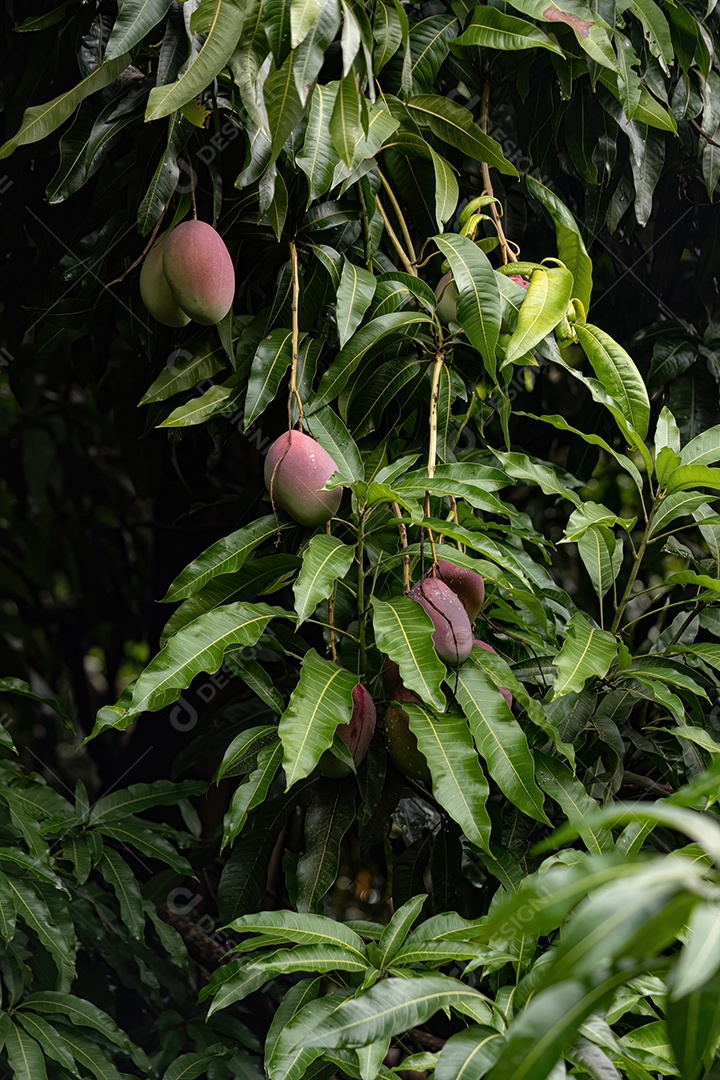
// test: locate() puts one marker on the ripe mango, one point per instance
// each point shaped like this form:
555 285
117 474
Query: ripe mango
296 469
401 743
199 271
467 585
453 634
356 735
503 689
155 291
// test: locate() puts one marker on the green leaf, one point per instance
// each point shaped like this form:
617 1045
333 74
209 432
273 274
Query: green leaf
52 1042
354 296
681 504
537 1036
602 555
251 792
387 1008
569 793
190 1066
700 958
693 1026
454 124
500 740
135 19
166 175
478 309
404 632
321 700
118 805
296 997
81 1013
9 685
657 31
395 932
493 29
458 781
90 1057
41 120
25 1058
704 449
310 54
272 359
366 338
333 436
184 370
587 652
7 910
132 834
216 399
692 476
36 914
119 875
544 306
324 561
318 157
570 244
302 929
200 646
618 372
469 1054
243 751
328 818
226 19
447 191
589 514
223 557
562 425
303 16
345 126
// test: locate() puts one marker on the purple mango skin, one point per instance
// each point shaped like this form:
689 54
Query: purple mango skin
453 634
357 734
155 291
391 676
468 585
199 271
503 689
301 472
400 741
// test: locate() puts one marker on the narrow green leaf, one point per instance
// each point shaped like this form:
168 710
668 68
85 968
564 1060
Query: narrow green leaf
569 793
324 561
394 934
404 632
135 19
303 16
243 751
251 792
587 652
119 875
692 476
469 1054
81 1013
118 805
321 700
190 1066
478 309
545 304
223 33
223 557
618 372
25 1057
602 555
41 120
345 126
328 818
458 781
354 296
52 1042
318 157
332 434
273 357
500 740
493 29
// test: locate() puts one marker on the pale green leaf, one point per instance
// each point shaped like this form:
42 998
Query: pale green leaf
586 653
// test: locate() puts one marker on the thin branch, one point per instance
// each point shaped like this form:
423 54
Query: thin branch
508 254
403 544
294 392
394 239
400 216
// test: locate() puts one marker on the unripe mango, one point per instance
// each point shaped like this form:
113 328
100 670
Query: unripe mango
400 741
155 291
453 634
356 735
199 271
503 689
296 470
467 585
447 298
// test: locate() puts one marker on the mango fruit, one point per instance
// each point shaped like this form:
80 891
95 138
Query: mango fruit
401 743
155 291
467 585
356 735
453 634
296 470
199 271
503 689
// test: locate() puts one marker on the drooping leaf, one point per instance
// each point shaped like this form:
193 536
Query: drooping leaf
321 700
545 304
454 124
251 792
325 560
493 29
329 816
404 632
587 652
354 296
135 19
619 373
223 33
272 359
478 307
223 557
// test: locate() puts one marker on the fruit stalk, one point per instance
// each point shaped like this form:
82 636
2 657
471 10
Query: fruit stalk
508 255
432 448
294 392
399 214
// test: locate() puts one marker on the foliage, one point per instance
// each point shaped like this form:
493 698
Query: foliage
350 154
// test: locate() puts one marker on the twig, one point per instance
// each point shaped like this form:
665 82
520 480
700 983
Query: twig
400 216
403 544
508 255
331 609
432 447
394 239
294 392
143 253
713 142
